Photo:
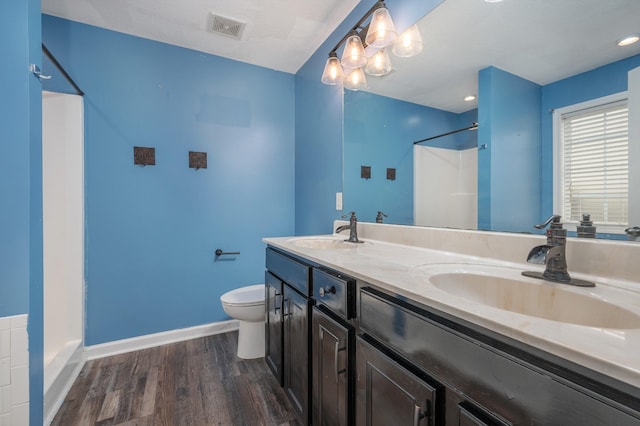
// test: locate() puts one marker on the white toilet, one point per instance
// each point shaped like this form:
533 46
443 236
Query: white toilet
246 304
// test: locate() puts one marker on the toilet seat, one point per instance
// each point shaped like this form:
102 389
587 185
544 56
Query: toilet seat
252 295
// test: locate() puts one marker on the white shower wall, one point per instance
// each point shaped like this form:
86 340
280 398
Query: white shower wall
445 187
63 233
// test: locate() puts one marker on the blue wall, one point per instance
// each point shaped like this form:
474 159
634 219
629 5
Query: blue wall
319 124
14 160
379 132
509 169
21 182
151 231
606 80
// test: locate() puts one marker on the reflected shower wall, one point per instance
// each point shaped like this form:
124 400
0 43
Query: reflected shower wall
446 187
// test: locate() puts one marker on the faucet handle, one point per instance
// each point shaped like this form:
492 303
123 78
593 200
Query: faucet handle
554 218
352 215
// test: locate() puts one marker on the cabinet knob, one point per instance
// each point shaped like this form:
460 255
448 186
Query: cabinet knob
327 290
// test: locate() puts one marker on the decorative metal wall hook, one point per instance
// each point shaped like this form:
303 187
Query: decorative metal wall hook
197 160
35 70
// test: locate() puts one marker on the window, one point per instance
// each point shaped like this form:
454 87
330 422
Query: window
592 163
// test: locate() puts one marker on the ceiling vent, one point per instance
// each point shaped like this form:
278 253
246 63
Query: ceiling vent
227 27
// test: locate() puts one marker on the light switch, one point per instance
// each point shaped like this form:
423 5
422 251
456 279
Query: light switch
338 200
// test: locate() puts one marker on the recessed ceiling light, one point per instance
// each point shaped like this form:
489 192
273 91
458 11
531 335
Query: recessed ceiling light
470 97
630 39
492 1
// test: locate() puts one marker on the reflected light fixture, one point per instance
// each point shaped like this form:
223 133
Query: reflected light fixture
469 98
333 73
374 37
355 80
628 40
379 64
409 43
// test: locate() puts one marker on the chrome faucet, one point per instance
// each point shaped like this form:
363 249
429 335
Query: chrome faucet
553 255
352 227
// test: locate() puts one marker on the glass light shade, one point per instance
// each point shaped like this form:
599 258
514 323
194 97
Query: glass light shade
332 73
381 32
379 64
409 43
355 80
353 55
629 40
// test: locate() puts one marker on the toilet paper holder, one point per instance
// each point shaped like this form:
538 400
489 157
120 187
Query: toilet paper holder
219 252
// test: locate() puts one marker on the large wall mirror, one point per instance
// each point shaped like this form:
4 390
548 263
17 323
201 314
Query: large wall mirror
522 60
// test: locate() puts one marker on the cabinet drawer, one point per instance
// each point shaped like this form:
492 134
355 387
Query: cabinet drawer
289 270
336 291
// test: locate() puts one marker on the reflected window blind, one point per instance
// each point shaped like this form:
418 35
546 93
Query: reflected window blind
595 157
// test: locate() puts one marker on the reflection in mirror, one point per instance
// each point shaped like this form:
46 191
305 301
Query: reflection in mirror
523 60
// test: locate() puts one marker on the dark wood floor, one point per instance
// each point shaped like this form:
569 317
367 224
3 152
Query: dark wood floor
196 382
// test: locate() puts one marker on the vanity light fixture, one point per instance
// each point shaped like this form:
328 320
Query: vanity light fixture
333 73
378 34
469 98
628 40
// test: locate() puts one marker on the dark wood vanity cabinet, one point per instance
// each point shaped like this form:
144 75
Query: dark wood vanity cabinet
350 353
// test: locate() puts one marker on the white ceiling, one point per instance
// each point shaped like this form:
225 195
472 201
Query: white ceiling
540 40
279 34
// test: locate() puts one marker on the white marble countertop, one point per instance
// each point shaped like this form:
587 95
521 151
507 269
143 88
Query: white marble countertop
612 351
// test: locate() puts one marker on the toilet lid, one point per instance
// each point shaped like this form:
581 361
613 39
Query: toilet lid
247 296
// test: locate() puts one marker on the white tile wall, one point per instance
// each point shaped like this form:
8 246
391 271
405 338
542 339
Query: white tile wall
14 371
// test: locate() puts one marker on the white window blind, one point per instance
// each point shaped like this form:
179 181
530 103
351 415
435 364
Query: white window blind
595 164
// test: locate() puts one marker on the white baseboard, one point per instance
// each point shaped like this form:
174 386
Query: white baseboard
158 339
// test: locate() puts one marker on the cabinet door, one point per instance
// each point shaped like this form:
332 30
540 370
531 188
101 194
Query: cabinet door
388 393
273 325
296 351
332 344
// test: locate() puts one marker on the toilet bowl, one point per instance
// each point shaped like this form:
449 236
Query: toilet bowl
246 304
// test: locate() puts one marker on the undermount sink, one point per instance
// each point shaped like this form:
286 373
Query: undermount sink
505 288
322 243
